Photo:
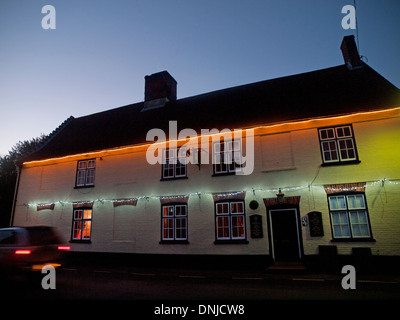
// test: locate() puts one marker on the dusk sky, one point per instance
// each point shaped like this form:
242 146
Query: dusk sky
98 55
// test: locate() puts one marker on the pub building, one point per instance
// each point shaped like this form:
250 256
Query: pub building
324 183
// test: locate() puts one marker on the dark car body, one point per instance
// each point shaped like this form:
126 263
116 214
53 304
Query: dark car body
30 248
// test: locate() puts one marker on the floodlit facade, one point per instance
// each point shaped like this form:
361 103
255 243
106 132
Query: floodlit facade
313 164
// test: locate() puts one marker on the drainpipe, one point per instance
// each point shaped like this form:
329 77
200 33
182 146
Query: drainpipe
18 167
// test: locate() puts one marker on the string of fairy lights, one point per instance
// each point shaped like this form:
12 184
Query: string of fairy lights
330 188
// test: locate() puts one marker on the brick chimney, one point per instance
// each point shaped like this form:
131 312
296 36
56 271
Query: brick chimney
160 88
350 52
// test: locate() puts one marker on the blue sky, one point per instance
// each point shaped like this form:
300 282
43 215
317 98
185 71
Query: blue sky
98 55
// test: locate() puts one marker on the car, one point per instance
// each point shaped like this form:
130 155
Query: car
27 249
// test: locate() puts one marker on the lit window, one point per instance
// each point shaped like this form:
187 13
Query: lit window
174 222
230 220
85 173
337 144
349 216
81 225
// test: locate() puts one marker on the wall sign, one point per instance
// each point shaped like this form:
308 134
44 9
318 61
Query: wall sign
256 226
315 223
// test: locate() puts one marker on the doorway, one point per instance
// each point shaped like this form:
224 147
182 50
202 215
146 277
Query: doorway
284 229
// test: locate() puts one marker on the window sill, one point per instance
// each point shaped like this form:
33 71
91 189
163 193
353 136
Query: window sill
83 187
173 178
235 241
354 240
80 241
174 242
223 174
342 163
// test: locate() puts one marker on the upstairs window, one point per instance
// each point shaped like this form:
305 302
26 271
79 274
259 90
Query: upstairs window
227 157
174 163
85 173
338 145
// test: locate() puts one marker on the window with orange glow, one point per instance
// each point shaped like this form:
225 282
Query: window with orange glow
174 222
81 225
230 220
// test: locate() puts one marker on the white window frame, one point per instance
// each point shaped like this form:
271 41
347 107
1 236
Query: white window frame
85 173
229 215
335 142
173 164
79 222
227 156
342 216
173 217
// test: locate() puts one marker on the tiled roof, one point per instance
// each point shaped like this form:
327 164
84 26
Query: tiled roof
327 92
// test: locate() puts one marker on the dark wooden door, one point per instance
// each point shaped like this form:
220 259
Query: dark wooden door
284 226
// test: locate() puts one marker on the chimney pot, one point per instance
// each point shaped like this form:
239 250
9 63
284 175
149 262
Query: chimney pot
350 52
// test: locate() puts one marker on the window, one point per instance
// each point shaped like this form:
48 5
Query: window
227 157
174 223
338 144
349 216
85 173
230 220
81 224
174 163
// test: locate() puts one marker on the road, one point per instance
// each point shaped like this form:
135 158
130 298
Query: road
117 283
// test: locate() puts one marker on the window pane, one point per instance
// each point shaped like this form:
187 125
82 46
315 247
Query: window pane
90 177
359 224
87 214
78 214
238 227
80 179
340 225
77 230
343 132
86 229
347 151
180 169
223 208
328 133
168 170
180 210
168 228
180 229
168 211
91 163
237 207
82 165
329 151
337 203
356 201
223 228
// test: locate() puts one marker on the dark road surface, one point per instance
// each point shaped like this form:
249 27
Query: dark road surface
169 284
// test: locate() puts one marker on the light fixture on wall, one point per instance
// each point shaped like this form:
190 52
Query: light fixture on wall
280 196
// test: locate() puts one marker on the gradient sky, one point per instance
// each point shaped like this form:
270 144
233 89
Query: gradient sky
98 55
